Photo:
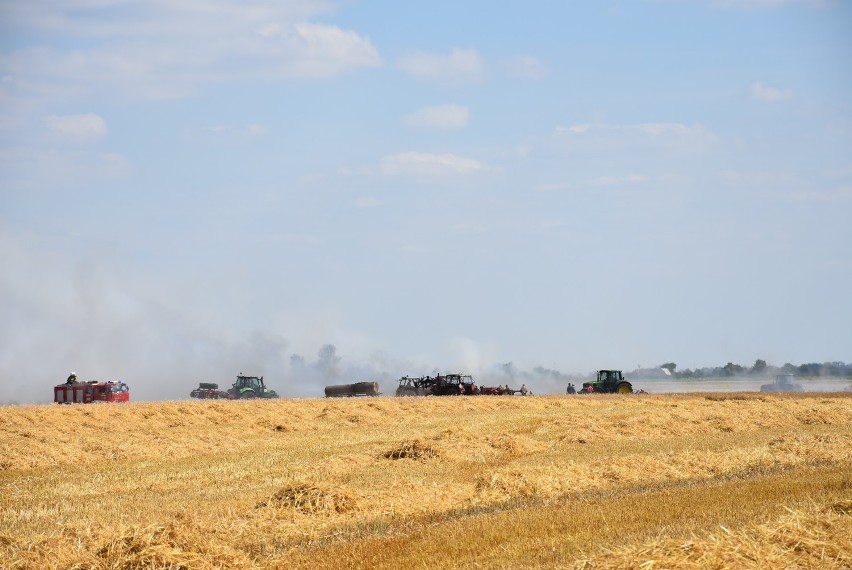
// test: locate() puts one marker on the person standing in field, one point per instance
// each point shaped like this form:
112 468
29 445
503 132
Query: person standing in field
524 390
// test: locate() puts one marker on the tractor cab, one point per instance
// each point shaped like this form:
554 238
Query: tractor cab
252 382
609 376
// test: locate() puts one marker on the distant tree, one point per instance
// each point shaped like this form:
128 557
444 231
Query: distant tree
731 369
670 366
810 369
759 367
327 360
297 362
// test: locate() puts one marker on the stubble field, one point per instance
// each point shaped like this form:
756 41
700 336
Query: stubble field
638 481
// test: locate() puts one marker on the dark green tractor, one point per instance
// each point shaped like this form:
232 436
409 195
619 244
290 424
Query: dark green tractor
247 387
608 382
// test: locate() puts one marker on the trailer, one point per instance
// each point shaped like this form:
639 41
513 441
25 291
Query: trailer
352 390
91 392
208 391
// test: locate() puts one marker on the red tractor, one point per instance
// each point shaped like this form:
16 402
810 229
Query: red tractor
89 392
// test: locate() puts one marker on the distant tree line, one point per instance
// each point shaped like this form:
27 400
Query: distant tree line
759 368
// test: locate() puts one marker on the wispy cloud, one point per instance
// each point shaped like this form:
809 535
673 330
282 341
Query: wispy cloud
367 202
676 136
162 50
427 164
441 117
47 167
761 92
652 129
77 128
758 178
830 196
237 132
469 229
525 67
625 179
459 66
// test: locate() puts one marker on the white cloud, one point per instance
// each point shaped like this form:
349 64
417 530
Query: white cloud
460 66
77 128
237 132
162 50
440 117
525 67
318 50
96 19
760 92
256 130
426 164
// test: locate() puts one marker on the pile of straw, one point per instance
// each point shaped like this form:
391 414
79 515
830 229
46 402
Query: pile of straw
312 499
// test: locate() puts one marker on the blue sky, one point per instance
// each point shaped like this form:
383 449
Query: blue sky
190 190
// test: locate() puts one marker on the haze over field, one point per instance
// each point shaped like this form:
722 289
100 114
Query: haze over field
188 191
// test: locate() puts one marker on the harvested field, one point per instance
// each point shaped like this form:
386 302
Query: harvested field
601 481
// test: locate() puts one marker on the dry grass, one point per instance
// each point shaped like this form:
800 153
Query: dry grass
594 481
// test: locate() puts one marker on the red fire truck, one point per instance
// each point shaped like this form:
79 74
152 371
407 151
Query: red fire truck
88 392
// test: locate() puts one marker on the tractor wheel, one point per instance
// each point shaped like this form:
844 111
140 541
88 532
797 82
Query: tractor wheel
248 394
624 388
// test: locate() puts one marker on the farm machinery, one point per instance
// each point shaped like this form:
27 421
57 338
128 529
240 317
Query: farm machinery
608 382
352 390
440 385
450 385
412 386
208 391
783 383
247 387
75 392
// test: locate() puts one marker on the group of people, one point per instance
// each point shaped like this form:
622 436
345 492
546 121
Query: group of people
487 390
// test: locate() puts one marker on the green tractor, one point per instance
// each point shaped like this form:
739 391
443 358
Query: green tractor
247 387
608 382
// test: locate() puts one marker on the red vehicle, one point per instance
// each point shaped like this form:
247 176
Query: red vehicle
208 390
88 392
